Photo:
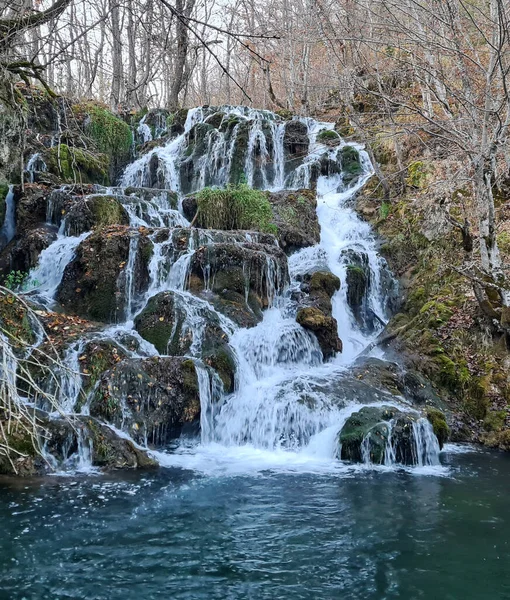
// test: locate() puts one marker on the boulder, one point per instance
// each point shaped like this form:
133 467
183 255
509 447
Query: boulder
295 215
153 399
95 283
94 212
324 327
178 324
241 279
295 144
64 439
380 435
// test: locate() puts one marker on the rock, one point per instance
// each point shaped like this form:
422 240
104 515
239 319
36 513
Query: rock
295 215
368 431
351 164
323 285
164 323
439 425
153 400
295 144
94 282
242 278
94 212
62 440
22 254
325 329
357 283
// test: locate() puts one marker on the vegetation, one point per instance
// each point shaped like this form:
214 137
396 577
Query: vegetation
235 207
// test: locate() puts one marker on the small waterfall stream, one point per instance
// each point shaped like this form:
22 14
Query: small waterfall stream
281 405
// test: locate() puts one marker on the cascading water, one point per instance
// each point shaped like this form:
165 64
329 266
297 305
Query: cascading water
8 229
281 401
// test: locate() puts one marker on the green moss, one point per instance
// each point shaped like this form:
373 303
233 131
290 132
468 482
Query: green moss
223 363
323 280
476 402
503 240
112 135
77 165
190 380
417 174
351 163
495 421
328 137
107 211
284 113
439 425
437 313
236 207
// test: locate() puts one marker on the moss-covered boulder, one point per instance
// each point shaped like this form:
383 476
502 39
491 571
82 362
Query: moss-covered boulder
329 137
322 287
357 283
63 440
164 322
439 425
153 399
324 327
78 165
96 284
351 164
94 212
378 435
243 278
295 217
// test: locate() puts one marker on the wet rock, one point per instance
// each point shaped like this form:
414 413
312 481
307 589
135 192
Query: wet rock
366 434
95 283
239 279
322 287
438 421
22 254
63 438
94 212
153 400
177 324
351 164
324 327
295 215
295 144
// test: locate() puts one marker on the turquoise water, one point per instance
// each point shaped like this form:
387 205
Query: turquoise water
177 534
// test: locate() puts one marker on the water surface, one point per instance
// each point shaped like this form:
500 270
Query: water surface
353 534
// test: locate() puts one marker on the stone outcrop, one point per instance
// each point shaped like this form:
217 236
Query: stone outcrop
153 400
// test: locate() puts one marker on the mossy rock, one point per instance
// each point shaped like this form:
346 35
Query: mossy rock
324 327
351 163
76 165
329 137
371 421
495 421
153 399
418 174
157 324
439 425
95 212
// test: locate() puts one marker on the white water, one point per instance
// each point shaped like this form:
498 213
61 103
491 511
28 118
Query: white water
281 413
35 165
8 229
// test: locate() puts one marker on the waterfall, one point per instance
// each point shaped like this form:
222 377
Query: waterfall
282 401
35 165
8 229
46 277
